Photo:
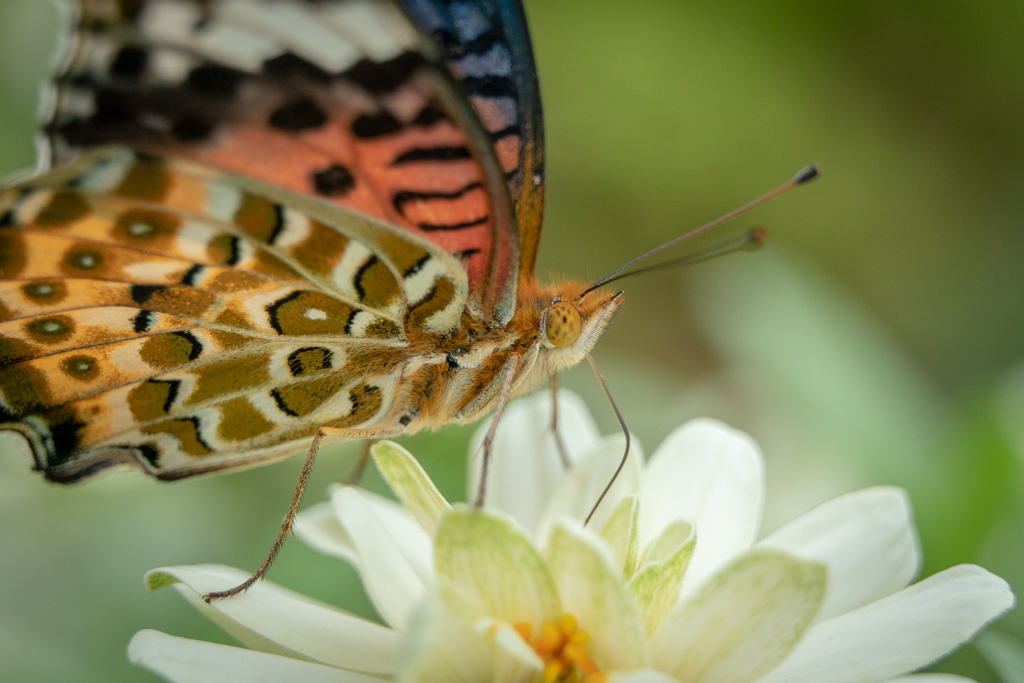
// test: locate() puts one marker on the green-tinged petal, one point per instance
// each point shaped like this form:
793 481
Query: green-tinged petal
742 622
667 543
410 484
867 541
487 567
621 535
639 676
656 587
713 476
394 580
526 466
445 648
932 678
273 619
318 526
181 660
1004 652
593 592
900 633
581 487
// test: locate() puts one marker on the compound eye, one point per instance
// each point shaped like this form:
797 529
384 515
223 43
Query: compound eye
563 324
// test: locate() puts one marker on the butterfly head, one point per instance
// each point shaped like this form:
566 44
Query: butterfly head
561 323
572 322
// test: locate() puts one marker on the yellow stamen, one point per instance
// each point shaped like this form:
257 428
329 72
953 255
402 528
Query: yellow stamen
578 654
554 670
562 645
549 641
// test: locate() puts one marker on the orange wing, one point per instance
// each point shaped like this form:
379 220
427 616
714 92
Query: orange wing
487 46
343 99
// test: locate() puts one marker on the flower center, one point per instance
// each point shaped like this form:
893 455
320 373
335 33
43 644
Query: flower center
562 645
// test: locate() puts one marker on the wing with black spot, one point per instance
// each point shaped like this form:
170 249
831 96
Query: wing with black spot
486 44
178 318
346 100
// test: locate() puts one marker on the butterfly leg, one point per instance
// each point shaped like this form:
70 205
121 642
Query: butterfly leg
510 368
293 509
562 453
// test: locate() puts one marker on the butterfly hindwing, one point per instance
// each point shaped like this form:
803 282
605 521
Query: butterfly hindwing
487 46
346 100
184 320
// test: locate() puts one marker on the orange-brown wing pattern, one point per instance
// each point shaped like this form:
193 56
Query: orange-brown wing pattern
347 100
487 46
161 314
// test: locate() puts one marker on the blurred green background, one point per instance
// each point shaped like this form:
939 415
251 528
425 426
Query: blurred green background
877 339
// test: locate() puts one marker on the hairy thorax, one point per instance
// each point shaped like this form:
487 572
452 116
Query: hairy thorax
458 378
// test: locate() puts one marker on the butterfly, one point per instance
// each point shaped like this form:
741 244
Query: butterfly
266 220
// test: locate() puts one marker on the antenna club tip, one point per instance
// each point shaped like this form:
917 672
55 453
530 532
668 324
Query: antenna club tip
758 236
807 174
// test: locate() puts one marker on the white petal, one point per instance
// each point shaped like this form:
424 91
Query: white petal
514 660
410 484
525 465
742 622
639 676
409 537
391 580
592 591
621 536
581 488
487 567
194 661
319 527
656 587
273 619
442 648
900 633
867 541
713 476
930 678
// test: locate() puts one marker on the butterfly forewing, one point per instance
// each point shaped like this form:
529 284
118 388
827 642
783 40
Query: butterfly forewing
347 100
162 313
487 46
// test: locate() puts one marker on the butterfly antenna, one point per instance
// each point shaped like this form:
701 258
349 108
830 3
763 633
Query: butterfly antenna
751 239
804 176
622 423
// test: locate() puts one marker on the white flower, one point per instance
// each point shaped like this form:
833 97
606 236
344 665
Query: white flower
291 637
665 584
